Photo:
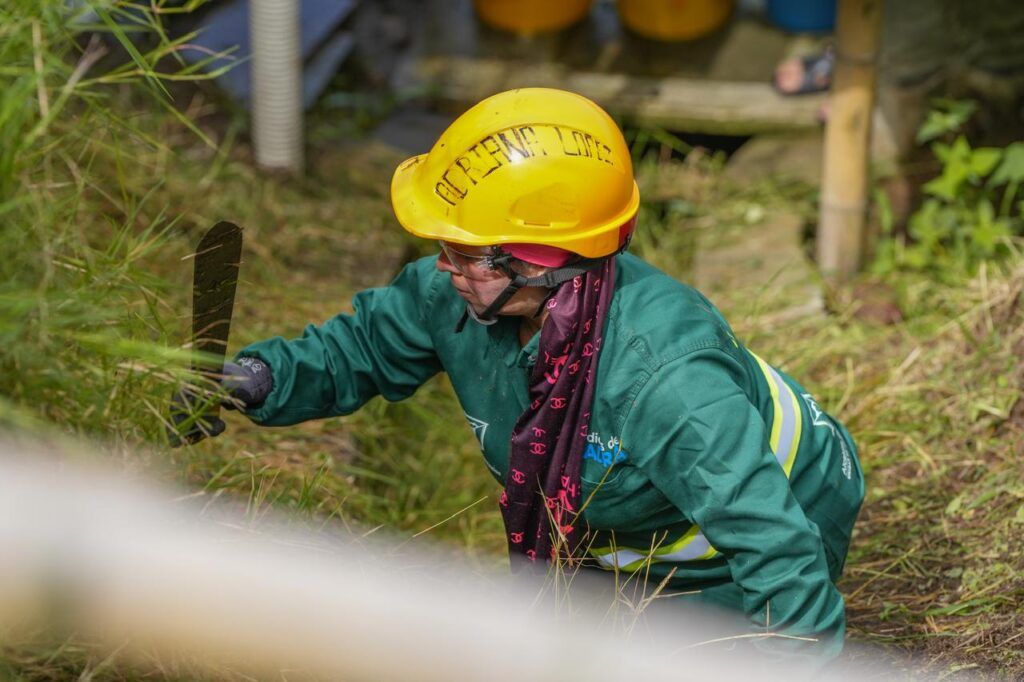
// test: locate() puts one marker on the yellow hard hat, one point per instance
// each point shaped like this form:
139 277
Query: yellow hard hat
530 166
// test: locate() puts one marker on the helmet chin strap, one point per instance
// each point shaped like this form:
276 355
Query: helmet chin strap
471 314
549 280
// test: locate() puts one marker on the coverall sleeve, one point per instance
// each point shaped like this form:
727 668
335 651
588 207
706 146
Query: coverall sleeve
710 456
383 348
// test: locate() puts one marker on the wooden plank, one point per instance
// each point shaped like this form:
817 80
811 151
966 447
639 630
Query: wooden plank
684 104
777 157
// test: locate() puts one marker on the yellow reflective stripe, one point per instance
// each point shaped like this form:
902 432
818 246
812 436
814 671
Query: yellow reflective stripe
692 546
787 420
773 441
797 432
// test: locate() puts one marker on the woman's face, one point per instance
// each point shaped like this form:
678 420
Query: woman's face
479 285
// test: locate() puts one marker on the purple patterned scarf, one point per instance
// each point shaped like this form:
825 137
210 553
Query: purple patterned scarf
542 497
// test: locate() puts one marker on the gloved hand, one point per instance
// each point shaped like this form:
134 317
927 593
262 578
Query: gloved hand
247 384
192 418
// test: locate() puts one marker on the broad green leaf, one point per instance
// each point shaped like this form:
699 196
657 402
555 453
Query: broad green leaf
941 151
935 125
986 237
1012 167
948 184
946 116
956 170
960 148
983 160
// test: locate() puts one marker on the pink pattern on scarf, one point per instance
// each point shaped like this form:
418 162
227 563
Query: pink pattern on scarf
542 496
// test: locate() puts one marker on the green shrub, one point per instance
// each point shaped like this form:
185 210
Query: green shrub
971 212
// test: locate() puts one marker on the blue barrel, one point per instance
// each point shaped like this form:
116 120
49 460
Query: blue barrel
803 16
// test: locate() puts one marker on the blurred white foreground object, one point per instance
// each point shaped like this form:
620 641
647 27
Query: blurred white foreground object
88 550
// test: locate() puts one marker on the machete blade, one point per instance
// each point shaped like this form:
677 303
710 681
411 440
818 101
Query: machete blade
217 260
215 278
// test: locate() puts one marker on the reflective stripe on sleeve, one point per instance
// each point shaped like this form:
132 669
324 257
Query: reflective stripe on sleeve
692 546
787 422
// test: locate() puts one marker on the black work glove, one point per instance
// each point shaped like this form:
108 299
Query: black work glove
247 384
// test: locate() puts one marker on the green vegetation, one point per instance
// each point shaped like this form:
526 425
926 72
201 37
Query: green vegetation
972 208
111 168
83 319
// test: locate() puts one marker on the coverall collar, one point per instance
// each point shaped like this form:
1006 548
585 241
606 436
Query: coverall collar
504 339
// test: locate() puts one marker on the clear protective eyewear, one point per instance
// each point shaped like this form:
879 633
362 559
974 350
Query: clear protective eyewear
469 265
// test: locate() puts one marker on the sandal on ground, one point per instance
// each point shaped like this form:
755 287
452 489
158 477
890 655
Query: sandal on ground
815 73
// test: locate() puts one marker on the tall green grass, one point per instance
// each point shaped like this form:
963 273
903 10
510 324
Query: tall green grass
84 327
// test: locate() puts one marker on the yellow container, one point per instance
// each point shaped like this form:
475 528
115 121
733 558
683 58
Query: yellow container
531 16
675 19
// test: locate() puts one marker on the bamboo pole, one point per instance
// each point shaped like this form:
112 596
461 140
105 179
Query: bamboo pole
844 189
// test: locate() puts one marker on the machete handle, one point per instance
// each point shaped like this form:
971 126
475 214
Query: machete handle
191 421
214 279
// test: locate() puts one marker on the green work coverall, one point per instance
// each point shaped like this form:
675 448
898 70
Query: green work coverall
691 439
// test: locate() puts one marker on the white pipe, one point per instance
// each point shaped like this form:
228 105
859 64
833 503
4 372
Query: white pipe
276 83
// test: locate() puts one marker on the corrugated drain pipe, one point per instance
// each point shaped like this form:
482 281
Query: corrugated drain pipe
276 84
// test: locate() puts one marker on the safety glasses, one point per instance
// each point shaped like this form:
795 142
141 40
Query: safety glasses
469 265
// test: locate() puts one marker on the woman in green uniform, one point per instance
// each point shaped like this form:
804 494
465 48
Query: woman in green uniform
629 427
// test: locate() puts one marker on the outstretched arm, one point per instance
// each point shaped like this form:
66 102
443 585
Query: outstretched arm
383 348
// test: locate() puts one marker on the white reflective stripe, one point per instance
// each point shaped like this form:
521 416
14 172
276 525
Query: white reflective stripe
695 549
787 422
692 546
784 440
621 558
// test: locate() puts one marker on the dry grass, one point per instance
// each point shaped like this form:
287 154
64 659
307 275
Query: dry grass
935 405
